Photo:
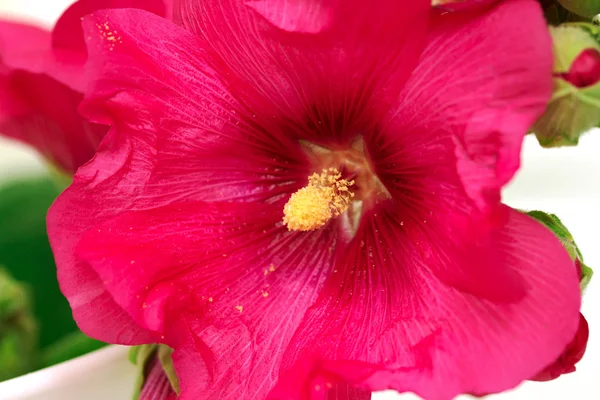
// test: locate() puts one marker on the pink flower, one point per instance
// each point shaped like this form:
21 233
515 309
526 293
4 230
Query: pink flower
425 282
42 83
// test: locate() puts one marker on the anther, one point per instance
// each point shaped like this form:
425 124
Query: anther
326 196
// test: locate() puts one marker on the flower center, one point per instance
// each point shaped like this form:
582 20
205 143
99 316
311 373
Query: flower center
326 196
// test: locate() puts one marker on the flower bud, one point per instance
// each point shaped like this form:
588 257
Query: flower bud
18 329
585 8
575 350
575 104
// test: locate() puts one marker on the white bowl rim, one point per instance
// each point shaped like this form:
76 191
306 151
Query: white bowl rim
56 376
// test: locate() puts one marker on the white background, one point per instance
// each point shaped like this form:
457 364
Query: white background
562 181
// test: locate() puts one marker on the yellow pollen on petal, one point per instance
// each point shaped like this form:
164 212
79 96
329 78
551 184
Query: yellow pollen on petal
326 196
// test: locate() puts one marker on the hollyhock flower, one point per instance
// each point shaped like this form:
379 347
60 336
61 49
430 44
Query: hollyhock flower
42 83
317 215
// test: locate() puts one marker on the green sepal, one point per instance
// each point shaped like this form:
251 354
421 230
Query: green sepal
586 276
552 222
141 357
164 356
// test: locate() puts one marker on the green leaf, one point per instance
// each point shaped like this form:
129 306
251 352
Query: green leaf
18 329
25 251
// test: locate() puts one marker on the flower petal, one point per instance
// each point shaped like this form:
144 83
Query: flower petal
325 79
194 138
94 310
178 135
494 88
223 283
571 355
67 35
385 321
24 46
37 106
302 16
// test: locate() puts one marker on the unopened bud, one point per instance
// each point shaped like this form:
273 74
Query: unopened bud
575 104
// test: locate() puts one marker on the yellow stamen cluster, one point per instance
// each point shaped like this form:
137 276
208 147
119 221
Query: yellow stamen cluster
325 197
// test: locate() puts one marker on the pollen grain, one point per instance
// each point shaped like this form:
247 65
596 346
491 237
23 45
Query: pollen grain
326 196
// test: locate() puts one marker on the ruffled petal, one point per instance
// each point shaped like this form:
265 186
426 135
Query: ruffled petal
325 82
480 89
301 16
572 354
225 284
24 46
194 138
180 137
38 104
28 48
177 137
94 310
384 321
